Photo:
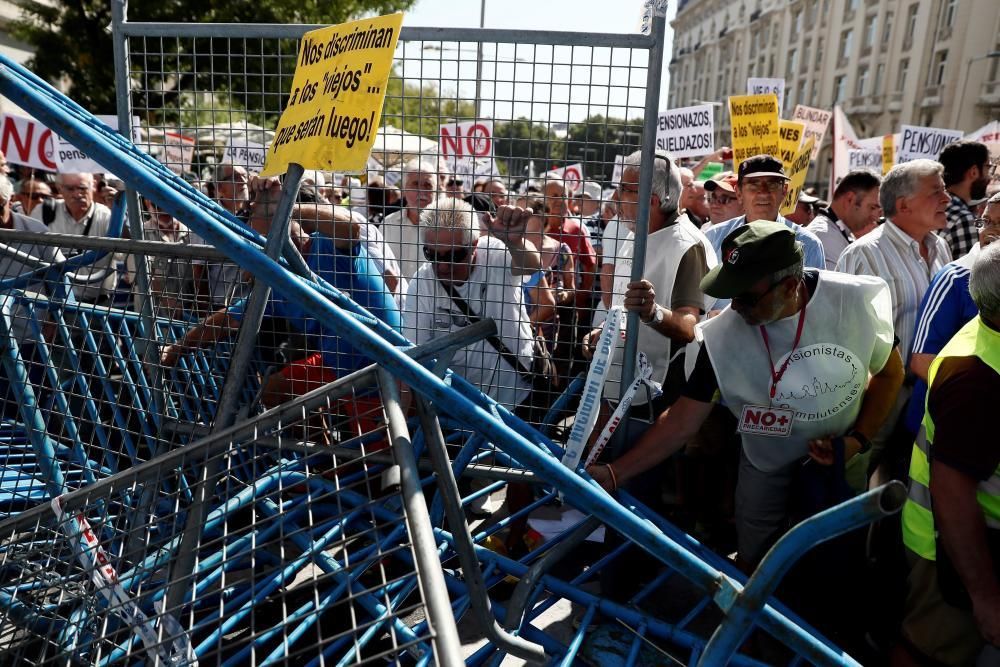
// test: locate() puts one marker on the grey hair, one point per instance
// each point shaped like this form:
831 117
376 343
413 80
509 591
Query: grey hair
984 281
447 214
995 199
6 188
419 167
903 181
666 179
86 174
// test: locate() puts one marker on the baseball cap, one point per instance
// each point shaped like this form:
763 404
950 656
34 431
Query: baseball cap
726 181
761 165
808 199
592 190
749 253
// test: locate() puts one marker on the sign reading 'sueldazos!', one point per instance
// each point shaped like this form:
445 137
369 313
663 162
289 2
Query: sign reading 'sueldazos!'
335 105
686 132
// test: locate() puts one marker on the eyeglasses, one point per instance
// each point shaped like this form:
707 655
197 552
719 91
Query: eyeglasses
982 223
771 187
721 201
38 196
453 256
74 188
749 300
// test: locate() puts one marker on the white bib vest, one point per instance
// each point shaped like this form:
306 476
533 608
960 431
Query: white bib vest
847 333
664 250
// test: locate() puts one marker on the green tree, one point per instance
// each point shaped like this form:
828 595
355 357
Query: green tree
597 140
420 109
73 45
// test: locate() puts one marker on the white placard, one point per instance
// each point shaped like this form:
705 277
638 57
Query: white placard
686 132
924 142
573 175
616 173
27 142
178 150
72 160
816 122
862 158
471 139
245 153
761 86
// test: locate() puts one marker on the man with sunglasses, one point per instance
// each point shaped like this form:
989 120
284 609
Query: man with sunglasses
30 193
854 211
761 187
723 202
800 358
467 276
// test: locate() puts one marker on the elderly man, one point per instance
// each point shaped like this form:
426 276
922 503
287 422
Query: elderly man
905 252
30 193
692 201
951 518
722 199
421 184
466 277
966 175
788 329
854 212
761 187
497 191
79 215
945 308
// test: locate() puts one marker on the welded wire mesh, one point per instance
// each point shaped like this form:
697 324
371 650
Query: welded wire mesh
303 553
526 123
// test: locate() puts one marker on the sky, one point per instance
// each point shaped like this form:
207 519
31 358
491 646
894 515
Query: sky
569 101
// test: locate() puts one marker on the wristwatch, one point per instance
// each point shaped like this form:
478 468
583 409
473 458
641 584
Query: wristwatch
657 316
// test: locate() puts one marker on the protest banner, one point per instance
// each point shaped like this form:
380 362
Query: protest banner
248 154
616 171
27 142
888 153
754 120
797 175
572 174
790 135
686 132
332 115
988 134
471 139
816 122
924 142
761 86
72 160
178 149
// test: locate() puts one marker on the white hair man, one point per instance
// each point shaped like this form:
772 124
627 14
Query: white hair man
78 214
464 271
401 229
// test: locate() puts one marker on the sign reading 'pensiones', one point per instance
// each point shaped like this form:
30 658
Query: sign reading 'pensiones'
335 105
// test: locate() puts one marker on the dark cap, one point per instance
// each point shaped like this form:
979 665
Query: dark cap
761 165
726 181
481 203
749 253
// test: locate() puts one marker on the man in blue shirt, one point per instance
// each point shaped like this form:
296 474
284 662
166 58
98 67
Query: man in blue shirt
946 307
761 187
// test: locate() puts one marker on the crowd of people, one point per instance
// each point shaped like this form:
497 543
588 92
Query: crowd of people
802 358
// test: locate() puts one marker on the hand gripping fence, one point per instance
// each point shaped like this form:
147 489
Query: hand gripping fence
249 541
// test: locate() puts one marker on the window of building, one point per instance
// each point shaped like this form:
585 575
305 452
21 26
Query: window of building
811 12
839 89
850 6
800 98
819 53
911 23
936 75
846 41
887 28
862 82
879 77
796 24
792 64
870 30
948 13
904 66
814 92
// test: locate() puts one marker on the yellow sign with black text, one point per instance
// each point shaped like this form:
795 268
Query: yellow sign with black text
789 139
797 173
888 153
754 119
335 105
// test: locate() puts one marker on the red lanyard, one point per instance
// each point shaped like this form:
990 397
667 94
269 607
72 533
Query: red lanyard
776 375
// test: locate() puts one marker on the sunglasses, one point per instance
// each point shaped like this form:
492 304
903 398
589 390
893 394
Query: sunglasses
721 201
771 187
453 256
750 300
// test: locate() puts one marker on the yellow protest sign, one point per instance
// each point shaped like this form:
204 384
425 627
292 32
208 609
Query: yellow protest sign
797 173
888 153
789 139
754 120
335 105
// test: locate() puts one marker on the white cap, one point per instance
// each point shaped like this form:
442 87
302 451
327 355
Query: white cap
592 190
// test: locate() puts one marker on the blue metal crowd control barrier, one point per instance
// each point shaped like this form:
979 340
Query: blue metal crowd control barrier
308 552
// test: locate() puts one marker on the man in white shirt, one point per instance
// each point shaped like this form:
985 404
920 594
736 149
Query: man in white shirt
905 252
485 272
78 214
421 184
854 212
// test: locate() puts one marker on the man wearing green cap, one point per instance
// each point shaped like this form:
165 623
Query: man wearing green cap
802 356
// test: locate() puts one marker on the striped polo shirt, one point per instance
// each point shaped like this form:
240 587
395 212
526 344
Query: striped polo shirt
893 255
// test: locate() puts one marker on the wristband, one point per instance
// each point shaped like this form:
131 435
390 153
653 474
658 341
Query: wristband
614 478
866 444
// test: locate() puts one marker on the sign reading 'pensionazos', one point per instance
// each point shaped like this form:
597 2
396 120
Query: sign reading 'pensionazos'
686 132
924 142
335 105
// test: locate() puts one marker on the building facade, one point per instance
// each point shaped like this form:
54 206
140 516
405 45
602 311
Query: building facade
885 62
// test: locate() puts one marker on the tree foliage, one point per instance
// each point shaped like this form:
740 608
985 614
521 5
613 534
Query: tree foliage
74 46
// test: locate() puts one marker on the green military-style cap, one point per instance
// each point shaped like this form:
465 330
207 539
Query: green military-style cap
749 253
